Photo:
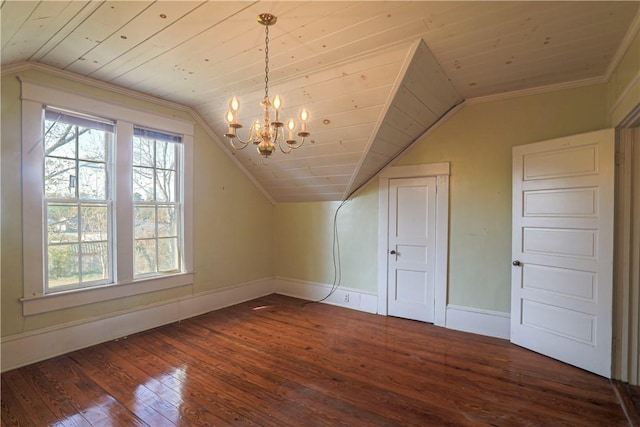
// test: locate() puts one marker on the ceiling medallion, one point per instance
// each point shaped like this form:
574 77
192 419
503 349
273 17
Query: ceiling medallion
268 134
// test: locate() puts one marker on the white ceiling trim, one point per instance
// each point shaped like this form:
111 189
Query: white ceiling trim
387 105
624 46
537 90
89 81
633 83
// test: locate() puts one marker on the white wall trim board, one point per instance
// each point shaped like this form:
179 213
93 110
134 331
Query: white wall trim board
30 347
314 291
627 273
623 46
99 84
633 84
478 321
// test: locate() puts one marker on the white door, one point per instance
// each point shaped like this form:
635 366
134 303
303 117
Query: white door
412 231
562 248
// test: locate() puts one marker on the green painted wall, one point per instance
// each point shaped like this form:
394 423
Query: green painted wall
304 241
477 141
239 236
233 241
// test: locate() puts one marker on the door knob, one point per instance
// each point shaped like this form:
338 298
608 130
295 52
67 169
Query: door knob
516 263
392 252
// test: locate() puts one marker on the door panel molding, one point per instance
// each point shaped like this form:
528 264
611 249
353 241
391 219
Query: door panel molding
441 172
562 249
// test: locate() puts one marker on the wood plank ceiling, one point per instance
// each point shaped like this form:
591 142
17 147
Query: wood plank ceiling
374 74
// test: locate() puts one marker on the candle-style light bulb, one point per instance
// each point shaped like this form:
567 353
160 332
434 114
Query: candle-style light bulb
292 126
277 102
229 118
304 116
234 104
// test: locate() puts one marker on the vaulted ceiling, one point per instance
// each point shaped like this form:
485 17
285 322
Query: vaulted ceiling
374 75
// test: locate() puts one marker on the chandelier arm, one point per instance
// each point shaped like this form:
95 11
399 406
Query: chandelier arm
240 147
245 142
287 151
297 144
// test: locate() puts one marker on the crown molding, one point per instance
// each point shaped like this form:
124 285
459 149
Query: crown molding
624 45
537 90
98 84
67 75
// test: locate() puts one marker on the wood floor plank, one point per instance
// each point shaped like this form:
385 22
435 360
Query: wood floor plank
37 410
93 402
277 361
470 377
292 410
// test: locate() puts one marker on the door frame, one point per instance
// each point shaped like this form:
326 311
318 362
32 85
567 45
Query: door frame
441 172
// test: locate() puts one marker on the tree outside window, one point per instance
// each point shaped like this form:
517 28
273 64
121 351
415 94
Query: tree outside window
156 200
77 200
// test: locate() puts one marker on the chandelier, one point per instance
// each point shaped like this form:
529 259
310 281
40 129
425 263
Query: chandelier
268 134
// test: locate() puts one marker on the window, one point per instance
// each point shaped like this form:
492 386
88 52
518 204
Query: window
107 200
77 199
155 200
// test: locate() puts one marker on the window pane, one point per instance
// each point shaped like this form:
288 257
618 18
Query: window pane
91 144
167 221
142 185
59 178
60 140
165 155
62 223
143 152
145 257
145 222
92 181
63 263
166 182
168 254
95 261
95 223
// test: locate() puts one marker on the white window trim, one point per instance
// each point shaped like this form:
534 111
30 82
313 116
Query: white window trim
34 97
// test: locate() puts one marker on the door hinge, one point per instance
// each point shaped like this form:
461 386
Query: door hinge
619 158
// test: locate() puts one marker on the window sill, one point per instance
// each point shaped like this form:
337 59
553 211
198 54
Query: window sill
61 300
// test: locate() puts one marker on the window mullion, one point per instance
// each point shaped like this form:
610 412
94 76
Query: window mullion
124 211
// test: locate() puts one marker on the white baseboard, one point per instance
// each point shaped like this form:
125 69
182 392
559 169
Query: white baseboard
30 347
478 321
313 291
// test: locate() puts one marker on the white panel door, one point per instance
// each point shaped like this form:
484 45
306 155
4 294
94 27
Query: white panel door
412 230
562 248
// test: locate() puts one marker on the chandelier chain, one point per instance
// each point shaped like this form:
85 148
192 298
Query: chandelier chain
270 134
266 62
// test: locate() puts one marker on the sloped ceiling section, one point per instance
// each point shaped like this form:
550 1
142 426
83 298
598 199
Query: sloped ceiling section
398 96
425 94
361 68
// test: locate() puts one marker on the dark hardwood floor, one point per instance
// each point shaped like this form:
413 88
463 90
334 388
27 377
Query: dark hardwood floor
277 362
